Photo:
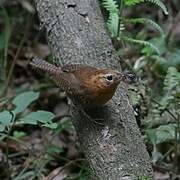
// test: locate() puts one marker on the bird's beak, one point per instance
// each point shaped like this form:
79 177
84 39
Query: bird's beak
129 78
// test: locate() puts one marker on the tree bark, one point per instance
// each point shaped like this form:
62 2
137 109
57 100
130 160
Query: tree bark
76 34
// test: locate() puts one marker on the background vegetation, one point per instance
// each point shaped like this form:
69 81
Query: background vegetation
39 142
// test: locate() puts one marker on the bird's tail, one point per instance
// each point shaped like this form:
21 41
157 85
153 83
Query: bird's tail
45 66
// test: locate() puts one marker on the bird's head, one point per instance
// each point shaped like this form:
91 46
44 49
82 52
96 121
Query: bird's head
108 78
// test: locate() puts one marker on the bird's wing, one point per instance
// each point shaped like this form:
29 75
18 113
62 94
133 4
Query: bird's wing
77 67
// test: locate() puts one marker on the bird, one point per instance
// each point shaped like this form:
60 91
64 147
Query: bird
86 86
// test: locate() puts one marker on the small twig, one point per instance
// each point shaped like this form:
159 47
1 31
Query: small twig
167 153
26 167
16 58
72 162
61 117
167 168
21 153
14 62
68 164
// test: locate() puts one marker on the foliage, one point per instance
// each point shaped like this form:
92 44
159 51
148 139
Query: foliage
159 114
163 106
161 134
146 21
132 2
155 97
117 23
27 150
156 106
160 4
156 2
159 63
113 20
17 115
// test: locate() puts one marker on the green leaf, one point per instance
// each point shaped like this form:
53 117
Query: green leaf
165 133
18 134
29 120
151 134
160 4
53 149
146 21
23 100
161 134
140 42
113 19
112 24
132 2
51 125
38 116
159 43
172 79
5 117
111 6
5 120
2 127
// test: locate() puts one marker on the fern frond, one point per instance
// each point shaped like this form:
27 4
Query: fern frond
160 4
112 25
132 2
147 22
171 89
110 6
140 42
172 79
113 20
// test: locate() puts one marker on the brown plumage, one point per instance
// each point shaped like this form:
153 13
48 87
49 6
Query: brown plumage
85 85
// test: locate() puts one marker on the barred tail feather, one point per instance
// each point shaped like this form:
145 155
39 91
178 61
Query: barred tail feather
45 66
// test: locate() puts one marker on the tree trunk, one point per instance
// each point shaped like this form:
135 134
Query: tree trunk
77 34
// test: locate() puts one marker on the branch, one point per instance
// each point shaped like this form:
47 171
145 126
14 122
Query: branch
77 34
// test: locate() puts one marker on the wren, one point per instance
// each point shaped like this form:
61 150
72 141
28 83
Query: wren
86 86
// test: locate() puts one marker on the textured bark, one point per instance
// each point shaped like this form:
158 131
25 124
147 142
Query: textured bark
77 34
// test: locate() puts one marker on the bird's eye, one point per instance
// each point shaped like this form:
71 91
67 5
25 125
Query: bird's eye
109 77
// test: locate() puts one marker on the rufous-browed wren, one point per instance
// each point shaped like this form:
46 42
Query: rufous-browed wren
88 86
